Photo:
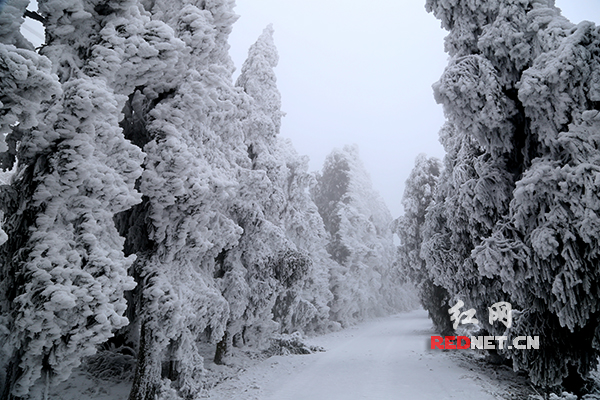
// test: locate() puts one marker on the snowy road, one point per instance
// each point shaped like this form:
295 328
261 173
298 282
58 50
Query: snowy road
385 359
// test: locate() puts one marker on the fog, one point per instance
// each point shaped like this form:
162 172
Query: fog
361 72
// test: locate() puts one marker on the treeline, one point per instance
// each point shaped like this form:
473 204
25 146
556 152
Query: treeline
153 206
513 212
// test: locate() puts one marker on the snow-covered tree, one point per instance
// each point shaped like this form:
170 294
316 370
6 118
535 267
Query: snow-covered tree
262 275
467 198
63 268
290 205
360 238
418 196
515 214
550 234
189 127
304 307
258 80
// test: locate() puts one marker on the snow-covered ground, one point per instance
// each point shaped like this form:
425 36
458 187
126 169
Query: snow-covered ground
384 359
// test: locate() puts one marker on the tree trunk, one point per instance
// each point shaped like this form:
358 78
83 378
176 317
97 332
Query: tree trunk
8 381
12 374
223 348
146 382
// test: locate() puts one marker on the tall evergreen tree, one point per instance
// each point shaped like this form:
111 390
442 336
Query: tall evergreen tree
63 269
418 196
189 127
265 265
294 211
360 238
304 307
514 220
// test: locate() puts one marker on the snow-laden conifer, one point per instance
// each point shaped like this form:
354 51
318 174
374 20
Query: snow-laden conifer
262 274
418 196
189 127
513 217
63 267
360 239
307 307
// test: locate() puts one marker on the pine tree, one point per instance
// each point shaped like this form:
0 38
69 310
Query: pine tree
515 219
189 127
360 238
63 269
418 196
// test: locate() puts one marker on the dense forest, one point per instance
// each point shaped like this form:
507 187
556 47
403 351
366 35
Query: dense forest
151 207
513 211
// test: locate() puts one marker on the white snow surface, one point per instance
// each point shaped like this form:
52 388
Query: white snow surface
382 359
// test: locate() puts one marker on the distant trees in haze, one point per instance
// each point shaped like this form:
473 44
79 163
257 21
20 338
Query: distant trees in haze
359 224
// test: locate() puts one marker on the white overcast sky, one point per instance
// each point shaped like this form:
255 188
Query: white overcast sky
361 72
357 72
